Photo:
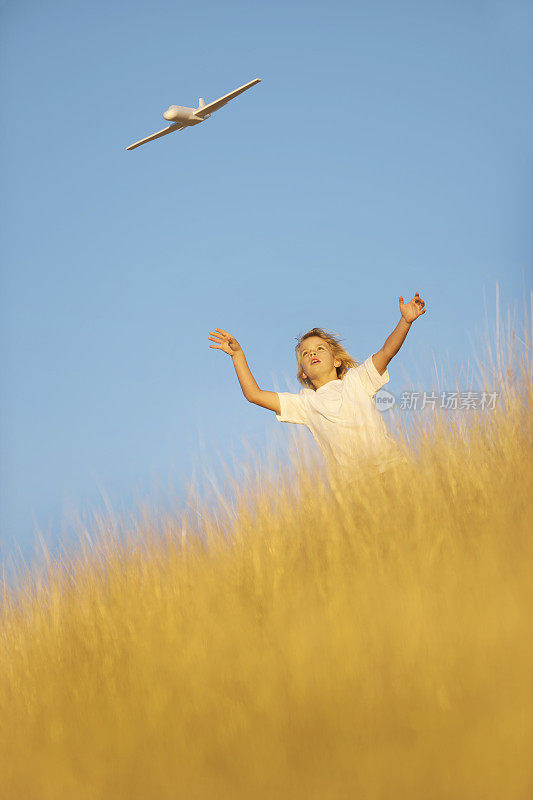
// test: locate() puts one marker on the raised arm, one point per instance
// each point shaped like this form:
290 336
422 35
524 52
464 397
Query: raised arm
409 311
228 344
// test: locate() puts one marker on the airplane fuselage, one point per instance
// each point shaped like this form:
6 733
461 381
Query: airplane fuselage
183 115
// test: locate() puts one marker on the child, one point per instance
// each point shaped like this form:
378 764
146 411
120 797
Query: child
336 401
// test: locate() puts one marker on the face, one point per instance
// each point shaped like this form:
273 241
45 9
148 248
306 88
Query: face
317 359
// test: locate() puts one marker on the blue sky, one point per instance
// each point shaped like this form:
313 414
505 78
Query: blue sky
386 151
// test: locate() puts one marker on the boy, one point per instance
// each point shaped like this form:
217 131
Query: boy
336 401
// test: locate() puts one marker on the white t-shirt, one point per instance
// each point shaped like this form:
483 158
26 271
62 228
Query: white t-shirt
344 419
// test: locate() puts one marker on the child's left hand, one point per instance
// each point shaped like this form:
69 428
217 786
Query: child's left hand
413 309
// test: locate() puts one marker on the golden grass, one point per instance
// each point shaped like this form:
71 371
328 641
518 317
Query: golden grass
308 640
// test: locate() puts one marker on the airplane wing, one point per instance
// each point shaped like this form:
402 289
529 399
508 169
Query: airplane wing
223 100
177 126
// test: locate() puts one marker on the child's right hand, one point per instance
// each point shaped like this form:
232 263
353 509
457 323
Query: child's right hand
224 341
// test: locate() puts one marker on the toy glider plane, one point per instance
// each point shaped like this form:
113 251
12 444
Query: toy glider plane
183 117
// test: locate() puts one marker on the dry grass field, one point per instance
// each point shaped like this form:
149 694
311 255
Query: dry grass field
309 640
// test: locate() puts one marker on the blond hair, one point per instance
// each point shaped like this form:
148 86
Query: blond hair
337 350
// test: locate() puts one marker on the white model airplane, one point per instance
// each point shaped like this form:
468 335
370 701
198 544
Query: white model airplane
184 117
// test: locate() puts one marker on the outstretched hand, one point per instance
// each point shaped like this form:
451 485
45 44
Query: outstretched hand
224 341
413 309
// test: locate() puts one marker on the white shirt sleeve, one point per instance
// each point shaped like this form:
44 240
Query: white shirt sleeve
368 376
292 408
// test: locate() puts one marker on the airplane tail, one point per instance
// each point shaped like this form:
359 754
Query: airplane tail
201 102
